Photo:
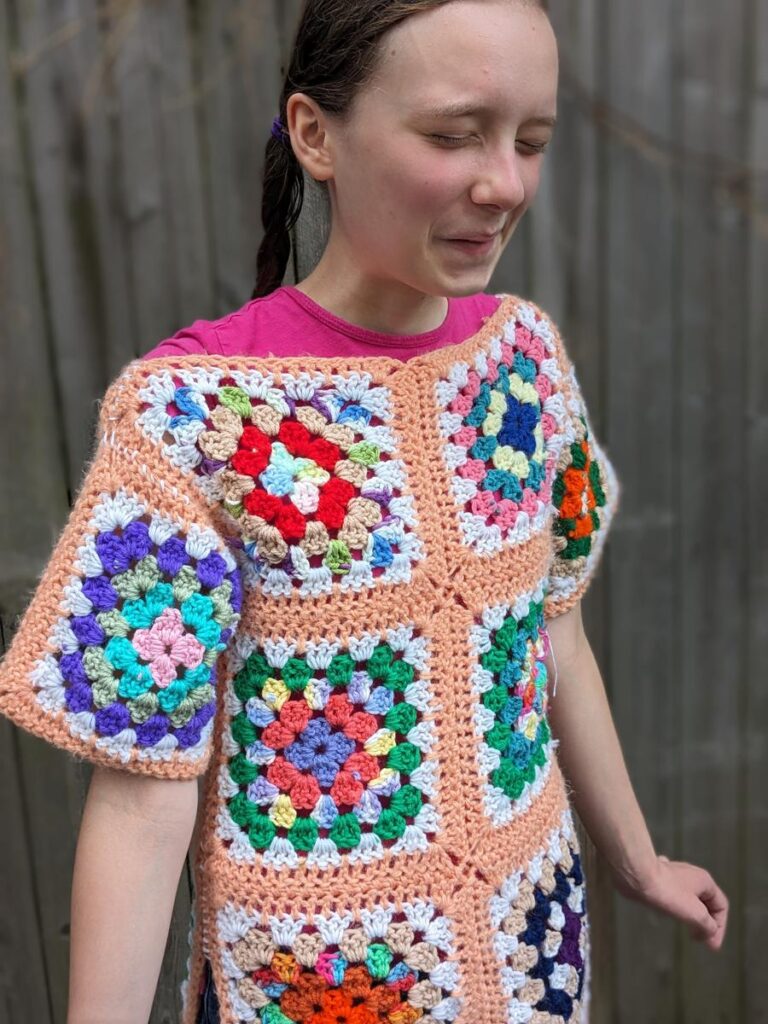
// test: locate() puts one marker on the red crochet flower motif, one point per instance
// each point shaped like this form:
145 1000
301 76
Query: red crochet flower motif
354 774
252 458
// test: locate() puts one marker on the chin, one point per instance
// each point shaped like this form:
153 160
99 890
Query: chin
457 286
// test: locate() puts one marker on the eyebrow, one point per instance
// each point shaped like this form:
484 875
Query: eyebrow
462 109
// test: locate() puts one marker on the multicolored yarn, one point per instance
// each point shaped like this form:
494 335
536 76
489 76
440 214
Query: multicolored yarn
381 966
306 469
146 616
503 420
585 496
329 751
509 644
541 934
277 572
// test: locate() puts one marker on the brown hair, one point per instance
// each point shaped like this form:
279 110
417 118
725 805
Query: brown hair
334 54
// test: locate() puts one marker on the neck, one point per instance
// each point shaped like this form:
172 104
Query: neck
390 307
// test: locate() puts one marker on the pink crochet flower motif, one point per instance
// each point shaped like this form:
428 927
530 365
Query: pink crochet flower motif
166 646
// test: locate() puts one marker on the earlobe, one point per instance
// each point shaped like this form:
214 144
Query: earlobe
307 124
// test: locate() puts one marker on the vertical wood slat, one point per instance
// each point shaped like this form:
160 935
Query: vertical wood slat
240 56
27 528
47 33
102 223
40 831
24 992
572 287
749 906
160 167
638 278
713 324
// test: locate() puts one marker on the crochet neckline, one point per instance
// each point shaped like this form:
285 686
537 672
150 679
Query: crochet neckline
506 310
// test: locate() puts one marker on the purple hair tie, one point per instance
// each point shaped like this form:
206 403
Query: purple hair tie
279 131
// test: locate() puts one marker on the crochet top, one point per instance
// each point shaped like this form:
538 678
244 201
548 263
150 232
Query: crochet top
325 583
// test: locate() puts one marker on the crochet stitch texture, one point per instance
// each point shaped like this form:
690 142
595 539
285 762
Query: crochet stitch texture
325 584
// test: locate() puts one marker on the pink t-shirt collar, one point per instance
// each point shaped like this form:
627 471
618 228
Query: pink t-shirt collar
375 339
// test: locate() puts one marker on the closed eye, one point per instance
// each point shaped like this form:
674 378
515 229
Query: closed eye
450 140
458 140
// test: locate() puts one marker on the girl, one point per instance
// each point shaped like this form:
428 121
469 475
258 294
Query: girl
330 555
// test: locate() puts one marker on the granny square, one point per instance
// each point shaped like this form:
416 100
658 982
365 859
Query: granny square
509 678
146 614
501 417
329 750
541 930
308 468
385 964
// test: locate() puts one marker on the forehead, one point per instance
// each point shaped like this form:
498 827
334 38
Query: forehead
491 53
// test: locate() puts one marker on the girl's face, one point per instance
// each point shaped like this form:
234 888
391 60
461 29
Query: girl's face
442 152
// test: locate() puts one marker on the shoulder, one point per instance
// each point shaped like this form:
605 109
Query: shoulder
256 327
220 337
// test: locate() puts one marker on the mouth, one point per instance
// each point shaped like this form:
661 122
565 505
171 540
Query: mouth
474 245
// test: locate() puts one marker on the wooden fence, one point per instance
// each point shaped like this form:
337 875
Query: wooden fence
131 135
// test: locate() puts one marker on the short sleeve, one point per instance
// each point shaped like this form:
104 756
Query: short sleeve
585 496
201 338
115 658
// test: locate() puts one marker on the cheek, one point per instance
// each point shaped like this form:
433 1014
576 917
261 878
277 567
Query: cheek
419 186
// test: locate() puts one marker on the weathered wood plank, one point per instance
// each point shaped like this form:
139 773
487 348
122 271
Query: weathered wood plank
23 982
54 789
635 264
33 465
160 166
571 286
93 49
712 327
29 531
239 74
749 895
47 31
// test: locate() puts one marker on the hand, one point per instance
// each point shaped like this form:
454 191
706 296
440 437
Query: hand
686 892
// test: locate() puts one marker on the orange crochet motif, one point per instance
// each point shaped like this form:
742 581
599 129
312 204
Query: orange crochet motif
325 584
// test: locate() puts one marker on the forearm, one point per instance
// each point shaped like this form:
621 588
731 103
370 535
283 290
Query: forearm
590 754
131 848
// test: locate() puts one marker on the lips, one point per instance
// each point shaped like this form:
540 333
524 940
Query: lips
478 239
473 246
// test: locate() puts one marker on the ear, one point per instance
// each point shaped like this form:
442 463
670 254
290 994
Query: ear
308 125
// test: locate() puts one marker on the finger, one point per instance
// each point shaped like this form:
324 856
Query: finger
703 926
715 901
708 888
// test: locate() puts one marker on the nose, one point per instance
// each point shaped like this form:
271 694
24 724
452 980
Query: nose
499 180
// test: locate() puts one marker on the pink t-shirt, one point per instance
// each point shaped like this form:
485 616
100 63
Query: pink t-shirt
289 323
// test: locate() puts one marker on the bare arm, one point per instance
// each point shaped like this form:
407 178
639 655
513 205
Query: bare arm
591 758
132 844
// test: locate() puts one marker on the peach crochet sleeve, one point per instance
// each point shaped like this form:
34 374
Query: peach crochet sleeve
585 496
115 658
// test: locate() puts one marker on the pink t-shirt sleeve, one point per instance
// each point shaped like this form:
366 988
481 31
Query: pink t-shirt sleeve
201 338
